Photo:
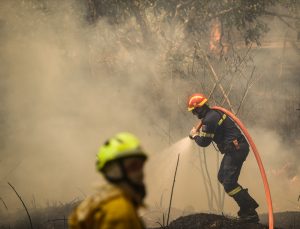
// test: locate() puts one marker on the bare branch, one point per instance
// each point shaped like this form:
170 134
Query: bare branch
281 15
22 203
213 194
221 13
4 203
205 181
246 91
172 189
285 22
216 78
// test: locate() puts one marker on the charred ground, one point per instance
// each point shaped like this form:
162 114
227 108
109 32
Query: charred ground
209 221
55 217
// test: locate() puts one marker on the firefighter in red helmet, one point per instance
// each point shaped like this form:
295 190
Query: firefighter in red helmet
219 128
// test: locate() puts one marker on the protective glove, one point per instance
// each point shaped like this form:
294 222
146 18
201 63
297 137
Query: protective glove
193 133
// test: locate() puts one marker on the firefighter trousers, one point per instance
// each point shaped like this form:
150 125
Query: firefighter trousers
231 165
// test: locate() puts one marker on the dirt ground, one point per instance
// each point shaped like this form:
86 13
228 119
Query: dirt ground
212 221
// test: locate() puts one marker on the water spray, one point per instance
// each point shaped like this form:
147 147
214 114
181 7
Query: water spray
258 159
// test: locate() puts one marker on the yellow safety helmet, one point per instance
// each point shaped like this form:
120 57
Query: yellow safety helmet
122 145
196 100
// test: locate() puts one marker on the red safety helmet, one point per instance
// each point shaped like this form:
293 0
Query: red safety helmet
196 100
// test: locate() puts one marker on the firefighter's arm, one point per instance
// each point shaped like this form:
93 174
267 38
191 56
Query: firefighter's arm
81 216
193 133
206 134
73 221
203 141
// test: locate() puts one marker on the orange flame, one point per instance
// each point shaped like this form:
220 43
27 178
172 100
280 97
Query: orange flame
215 36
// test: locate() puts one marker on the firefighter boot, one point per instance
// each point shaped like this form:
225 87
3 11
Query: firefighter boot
247 206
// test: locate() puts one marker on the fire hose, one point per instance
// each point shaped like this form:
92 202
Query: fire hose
256 154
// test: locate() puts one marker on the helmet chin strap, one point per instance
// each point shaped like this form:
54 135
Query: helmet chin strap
137 188
202 112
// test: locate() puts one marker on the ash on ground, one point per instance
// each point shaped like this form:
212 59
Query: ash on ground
212 221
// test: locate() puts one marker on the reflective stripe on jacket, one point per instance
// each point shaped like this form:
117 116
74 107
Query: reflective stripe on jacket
217 127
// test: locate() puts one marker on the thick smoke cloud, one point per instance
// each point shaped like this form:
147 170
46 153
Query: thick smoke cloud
61 100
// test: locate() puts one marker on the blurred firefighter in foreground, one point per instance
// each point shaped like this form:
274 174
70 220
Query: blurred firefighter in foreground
217 127
114 206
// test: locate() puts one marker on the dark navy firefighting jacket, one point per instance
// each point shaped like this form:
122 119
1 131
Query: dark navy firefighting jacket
218 127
